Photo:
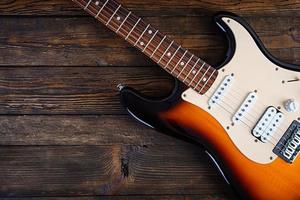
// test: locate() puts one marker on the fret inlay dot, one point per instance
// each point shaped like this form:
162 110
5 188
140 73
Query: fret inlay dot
182 63
97 3
204 79
118 18
150 32
169 54
142 43
194 71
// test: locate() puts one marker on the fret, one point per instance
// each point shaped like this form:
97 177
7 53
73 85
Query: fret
179 61
203 76
150 40
141 35
207 81
87 5
101 9
113 15
123 22
165 52
196 74
186 64
158 46
132 28
172 57
188 75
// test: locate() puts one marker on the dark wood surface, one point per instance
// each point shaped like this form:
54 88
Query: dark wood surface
63 133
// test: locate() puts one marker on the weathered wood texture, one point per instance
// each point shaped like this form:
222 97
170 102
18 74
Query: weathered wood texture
63 133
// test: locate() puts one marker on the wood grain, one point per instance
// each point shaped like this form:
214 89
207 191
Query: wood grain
78 130
164 7
75 90
63 132
73 41
106 170
135 197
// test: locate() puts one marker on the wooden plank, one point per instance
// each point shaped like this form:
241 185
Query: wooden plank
107 170
163 7
75 90
43 41
79 130
228 196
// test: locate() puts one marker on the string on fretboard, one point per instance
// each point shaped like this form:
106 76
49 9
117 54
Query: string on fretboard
176 60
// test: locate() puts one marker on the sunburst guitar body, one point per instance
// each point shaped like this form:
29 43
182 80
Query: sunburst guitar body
244 112
253 92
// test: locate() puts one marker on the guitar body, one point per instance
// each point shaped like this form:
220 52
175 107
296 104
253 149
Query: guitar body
249 165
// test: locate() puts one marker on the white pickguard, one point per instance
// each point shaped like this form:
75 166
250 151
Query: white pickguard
252 71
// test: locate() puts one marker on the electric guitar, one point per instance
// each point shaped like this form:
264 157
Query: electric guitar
245 112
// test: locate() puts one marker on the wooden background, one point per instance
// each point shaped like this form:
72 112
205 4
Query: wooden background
63 133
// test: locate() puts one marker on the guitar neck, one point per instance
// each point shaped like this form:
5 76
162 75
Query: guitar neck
171 56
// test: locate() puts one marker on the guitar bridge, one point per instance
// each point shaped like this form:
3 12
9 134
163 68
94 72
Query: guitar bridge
288 146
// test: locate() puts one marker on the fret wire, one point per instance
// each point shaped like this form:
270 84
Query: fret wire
87 5
202 78
172 56
150 40
135 33
191 70
123 22
109 14
196 74
101 9
158 46
132 29
206 81
122 26
113 15
141 35
165 52
186 64
179 61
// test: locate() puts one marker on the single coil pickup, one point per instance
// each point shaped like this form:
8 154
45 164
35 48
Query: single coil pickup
245 107
221 90
288 146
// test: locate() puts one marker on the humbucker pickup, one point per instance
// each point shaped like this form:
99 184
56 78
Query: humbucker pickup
289 144
268 124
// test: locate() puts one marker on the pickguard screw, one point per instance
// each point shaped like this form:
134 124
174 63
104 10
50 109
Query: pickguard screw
209 107
271 158
227 127
223 70
276 68
228 20
184 95
282 82
278 107
255 91
232 124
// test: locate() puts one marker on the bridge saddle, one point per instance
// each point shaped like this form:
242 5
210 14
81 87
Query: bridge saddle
288 146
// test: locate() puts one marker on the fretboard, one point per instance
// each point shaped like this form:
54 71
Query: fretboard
172 57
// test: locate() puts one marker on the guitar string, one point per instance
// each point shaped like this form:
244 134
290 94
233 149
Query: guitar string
249 113
206 95
93 8
226 96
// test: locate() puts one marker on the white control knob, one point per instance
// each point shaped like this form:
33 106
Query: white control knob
291 105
